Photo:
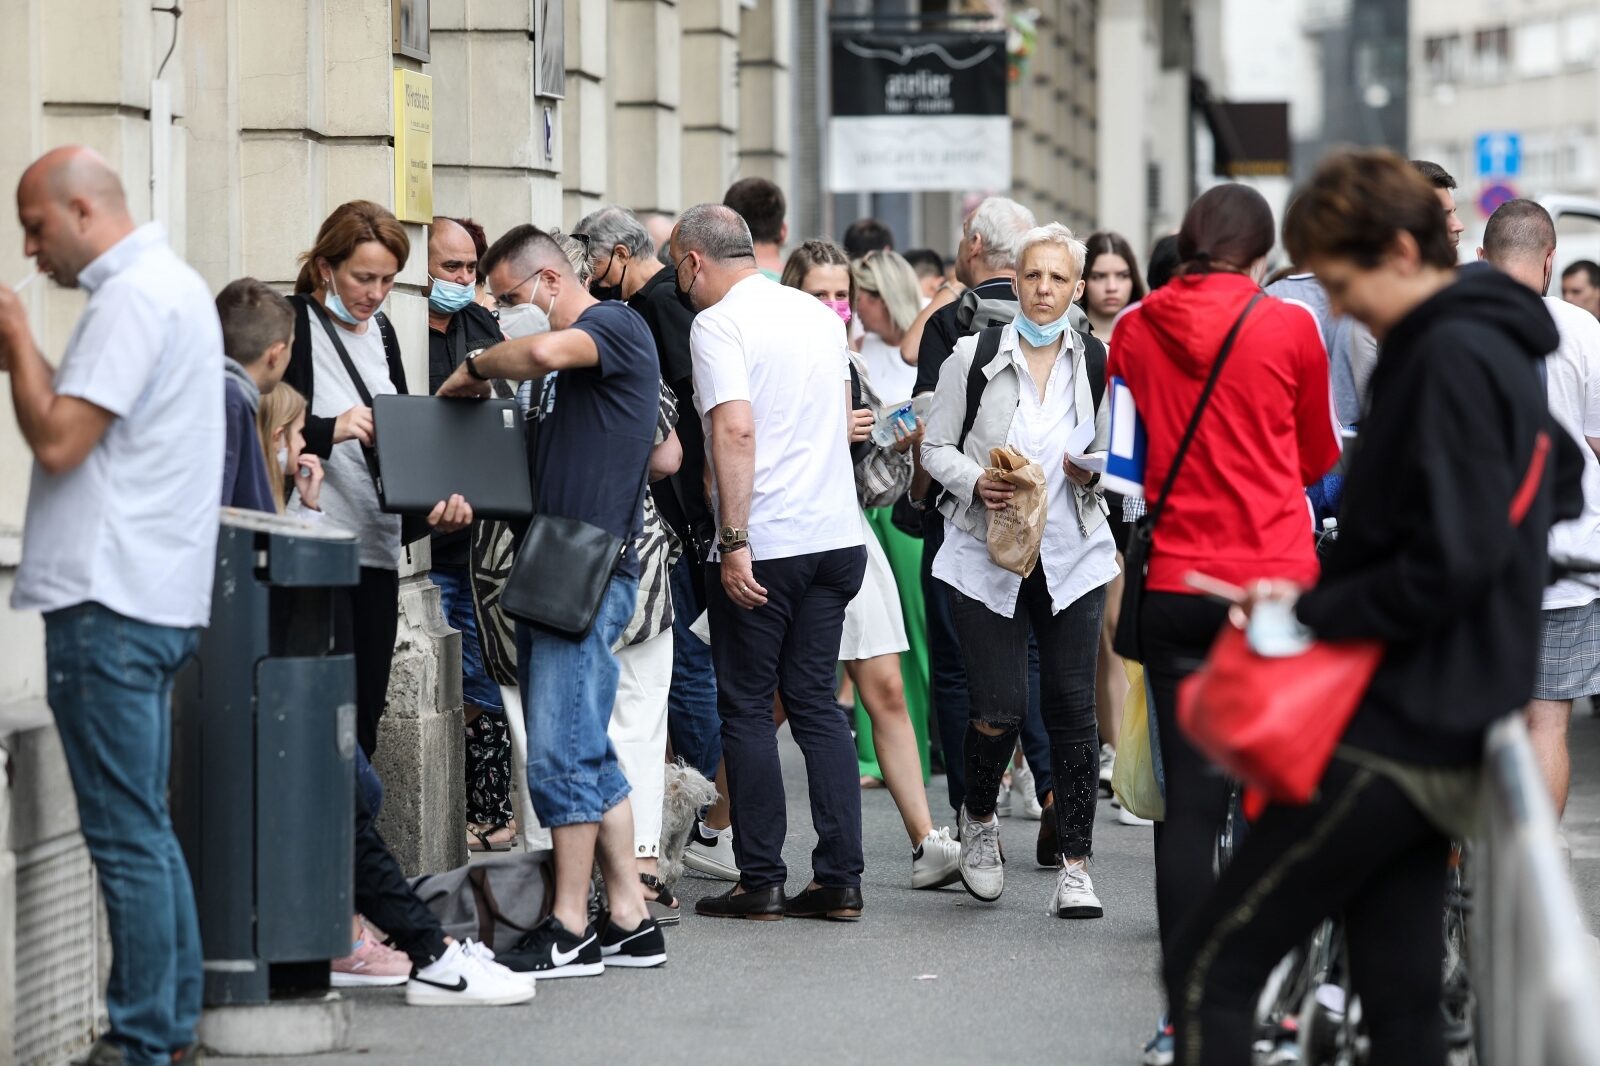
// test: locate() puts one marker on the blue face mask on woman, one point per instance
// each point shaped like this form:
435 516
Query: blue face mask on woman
448 297
336 306
1041 336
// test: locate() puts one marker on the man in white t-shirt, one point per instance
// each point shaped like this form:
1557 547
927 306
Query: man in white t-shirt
772 385
1520 240
118 552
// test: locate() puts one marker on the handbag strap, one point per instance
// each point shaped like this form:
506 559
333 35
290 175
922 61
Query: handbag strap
1199 409
362 393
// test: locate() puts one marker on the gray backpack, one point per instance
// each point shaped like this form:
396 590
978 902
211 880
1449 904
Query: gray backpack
493 900
974 314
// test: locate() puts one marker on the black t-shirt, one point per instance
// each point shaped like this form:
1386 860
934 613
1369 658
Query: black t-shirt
469 329
684 507
596 427
940 333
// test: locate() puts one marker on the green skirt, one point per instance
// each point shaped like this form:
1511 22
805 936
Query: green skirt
905 559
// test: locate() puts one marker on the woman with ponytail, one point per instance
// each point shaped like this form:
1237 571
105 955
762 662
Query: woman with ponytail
1237 508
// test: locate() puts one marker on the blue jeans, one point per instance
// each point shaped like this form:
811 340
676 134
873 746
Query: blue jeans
568 688
693 725
455 596
110 689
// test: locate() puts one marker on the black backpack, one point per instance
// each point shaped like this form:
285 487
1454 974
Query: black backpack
1094 359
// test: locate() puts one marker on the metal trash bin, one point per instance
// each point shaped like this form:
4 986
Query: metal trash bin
263 770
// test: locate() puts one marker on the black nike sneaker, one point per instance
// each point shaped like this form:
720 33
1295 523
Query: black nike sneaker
640 948
548 950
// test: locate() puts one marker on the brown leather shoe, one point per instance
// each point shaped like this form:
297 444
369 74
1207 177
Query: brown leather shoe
837 904
761 905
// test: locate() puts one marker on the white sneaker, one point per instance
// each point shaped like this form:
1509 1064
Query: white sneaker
1108 763
1002 799
936 862
982 865
1023 789
1074 896
711 859
1127 817
461 978
484 954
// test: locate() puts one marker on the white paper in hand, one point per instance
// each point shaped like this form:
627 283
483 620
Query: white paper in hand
1078 442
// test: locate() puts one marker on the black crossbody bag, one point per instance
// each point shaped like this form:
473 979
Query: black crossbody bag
559 578
1126 641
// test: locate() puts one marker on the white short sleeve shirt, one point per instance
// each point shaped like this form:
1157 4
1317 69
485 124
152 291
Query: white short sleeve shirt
1572 384
134 526
787 354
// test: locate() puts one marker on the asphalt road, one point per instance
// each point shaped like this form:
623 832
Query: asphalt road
924 977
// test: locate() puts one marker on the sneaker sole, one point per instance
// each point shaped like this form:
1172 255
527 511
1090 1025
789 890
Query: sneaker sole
433 997
707 868
586 969
943 882
637 962
1080 912
365 980
974 893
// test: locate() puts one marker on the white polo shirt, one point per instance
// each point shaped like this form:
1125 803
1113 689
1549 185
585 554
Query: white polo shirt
1572 386
134 526
786 353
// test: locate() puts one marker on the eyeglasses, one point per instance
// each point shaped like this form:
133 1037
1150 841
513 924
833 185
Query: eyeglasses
505 297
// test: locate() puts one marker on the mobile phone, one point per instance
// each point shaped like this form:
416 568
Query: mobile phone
1213 589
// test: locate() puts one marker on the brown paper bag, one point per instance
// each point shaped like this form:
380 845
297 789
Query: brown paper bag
1016 532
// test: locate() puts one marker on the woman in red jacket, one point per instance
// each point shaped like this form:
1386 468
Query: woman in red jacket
1237 510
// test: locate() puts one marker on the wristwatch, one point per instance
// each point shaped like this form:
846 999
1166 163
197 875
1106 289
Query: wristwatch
730 539
471 362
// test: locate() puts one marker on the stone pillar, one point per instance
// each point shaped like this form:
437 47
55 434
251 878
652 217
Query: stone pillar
646 169
588 118
710 108
1122 95
766 102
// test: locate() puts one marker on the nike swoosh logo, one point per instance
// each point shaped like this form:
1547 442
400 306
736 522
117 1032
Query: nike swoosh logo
459 986
566 958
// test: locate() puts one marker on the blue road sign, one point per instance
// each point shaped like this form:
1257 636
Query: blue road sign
1499 154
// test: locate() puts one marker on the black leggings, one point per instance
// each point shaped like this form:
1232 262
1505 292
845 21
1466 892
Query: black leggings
995 651
1177 632
1360 850
365 623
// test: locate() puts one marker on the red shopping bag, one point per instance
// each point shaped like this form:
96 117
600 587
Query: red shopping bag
1273 723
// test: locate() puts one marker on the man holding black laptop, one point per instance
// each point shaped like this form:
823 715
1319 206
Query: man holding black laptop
592 432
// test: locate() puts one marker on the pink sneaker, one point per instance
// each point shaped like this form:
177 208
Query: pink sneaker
371 965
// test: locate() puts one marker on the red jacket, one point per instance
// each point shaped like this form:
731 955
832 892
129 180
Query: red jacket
1238 510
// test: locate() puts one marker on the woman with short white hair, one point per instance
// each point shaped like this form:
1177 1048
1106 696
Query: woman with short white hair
1027 386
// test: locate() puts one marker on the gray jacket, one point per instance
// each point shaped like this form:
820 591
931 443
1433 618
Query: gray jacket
958 469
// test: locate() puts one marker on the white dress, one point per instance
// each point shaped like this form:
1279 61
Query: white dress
872 622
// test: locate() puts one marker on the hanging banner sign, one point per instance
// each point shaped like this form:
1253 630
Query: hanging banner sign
919 112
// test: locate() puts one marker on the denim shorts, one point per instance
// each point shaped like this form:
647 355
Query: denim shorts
568 689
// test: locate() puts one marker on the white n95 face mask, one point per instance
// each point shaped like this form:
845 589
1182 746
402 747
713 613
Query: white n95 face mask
523 320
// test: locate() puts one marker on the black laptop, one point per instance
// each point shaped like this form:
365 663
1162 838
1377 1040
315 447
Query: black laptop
430 447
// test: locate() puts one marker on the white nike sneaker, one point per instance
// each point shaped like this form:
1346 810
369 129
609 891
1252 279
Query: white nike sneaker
1108 765
1127 817
982 866
936 862
1023 788
460 978
1074 896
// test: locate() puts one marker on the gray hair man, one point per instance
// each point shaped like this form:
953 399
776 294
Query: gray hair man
1520 239
625 260
597 415
772 386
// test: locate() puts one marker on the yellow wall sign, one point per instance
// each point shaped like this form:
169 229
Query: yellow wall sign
413 146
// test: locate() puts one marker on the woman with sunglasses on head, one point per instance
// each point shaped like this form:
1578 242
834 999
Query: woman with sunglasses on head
1236 509
874 628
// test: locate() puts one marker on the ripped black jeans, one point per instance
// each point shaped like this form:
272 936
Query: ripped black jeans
995 651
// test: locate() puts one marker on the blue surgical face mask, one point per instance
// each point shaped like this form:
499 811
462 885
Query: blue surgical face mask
336 306
1041 336
448 297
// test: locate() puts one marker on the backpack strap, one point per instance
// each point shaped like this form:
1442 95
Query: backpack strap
1094 361
988 348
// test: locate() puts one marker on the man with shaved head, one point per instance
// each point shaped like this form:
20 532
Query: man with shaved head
118 553
772 385
1520 239
589 455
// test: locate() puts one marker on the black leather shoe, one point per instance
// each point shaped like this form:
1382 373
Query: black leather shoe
761 905
1048 852
838 904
